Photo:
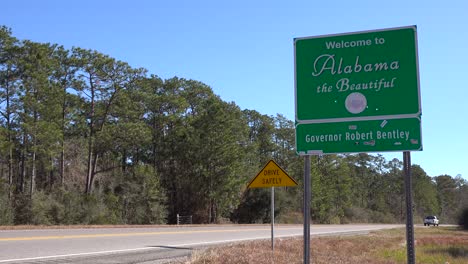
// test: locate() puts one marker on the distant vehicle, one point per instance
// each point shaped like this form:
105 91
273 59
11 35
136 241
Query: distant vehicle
431 220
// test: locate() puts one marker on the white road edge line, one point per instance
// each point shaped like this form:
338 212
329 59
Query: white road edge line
71 255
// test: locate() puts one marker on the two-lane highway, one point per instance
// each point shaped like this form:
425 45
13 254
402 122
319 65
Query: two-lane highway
140 245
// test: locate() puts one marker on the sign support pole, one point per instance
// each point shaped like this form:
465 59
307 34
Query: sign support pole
307 209
409 208
272 219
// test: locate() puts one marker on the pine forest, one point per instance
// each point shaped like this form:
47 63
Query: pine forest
88 139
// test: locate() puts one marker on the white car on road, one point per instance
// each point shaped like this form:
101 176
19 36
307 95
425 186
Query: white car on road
431 220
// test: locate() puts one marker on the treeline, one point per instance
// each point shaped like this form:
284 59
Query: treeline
88 139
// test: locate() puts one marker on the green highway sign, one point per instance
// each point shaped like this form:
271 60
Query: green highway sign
359 136
357 76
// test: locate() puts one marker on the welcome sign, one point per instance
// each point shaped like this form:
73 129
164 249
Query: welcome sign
358 92
357 76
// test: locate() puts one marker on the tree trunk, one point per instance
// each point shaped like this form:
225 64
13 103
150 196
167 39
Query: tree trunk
10 142
33 174
22 169
124 161
89 175
51 175
89 169
62 145
93 170
10 168
213 216
62 165
154 144
33 169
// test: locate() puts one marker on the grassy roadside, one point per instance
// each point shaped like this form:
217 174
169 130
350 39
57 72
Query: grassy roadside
443 245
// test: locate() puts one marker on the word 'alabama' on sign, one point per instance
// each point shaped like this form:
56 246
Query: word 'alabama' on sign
326 62
272 175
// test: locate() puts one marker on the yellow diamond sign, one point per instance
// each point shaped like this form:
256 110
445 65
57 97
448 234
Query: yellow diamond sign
272 175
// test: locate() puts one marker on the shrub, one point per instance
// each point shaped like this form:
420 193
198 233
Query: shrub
290 217
6 209
356 215
22 209
144 199
95 211
254 207
40 206
463 219
69 208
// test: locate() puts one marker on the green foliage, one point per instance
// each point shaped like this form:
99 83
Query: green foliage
94 210
6 210
41 205
447 196
22 209
143 199
425 193
331 188
357 215
70 209
87 139
463 219
254 208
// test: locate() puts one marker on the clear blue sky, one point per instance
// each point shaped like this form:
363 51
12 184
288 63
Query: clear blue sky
244 50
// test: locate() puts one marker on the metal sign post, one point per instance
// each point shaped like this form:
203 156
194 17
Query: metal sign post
272 219
270 176
409 208
307 209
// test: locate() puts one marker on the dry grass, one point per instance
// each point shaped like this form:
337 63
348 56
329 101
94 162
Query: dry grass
433 245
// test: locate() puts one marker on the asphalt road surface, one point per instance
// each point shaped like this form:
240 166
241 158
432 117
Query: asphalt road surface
142 245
